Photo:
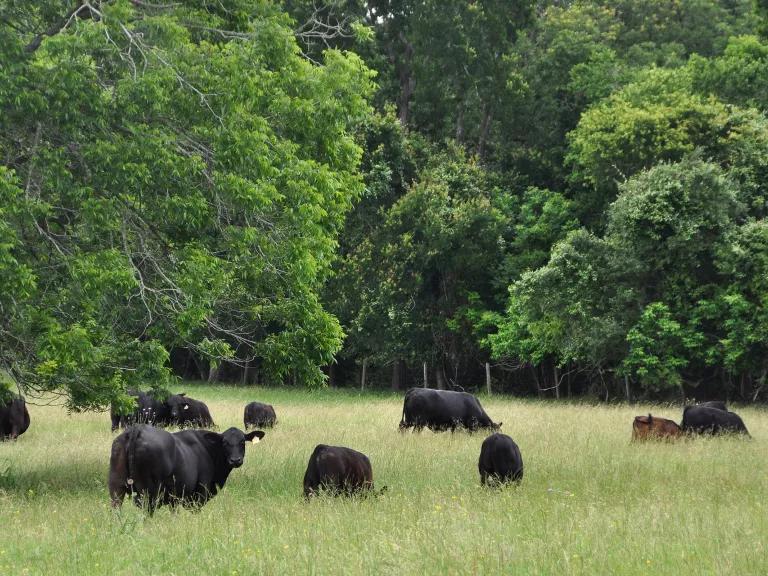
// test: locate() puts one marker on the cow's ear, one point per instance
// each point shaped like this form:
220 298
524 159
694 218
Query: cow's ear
181 394
254 436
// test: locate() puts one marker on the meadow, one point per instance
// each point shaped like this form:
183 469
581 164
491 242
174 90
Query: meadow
591 502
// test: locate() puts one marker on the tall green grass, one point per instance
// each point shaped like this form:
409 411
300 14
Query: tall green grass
591 502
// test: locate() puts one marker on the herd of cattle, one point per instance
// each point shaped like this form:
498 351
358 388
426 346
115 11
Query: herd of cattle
189 467
705 418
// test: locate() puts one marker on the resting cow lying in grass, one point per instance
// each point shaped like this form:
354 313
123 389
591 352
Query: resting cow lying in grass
648 428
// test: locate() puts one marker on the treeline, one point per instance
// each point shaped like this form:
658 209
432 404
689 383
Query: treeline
568 197
573 193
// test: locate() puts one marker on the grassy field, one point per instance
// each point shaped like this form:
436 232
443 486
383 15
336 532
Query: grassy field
590 503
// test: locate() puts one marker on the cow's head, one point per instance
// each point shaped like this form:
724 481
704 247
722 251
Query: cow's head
233 441
178 405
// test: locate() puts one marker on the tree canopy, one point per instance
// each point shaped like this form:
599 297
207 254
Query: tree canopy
546 193
175 176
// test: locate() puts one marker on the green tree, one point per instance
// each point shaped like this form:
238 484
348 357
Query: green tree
175 176
658 349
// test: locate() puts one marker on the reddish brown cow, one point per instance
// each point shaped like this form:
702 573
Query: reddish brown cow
648 427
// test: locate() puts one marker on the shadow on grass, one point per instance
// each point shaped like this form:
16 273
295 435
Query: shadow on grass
53 478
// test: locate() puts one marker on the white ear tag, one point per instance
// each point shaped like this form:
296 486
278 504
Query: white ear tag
255 440
186 407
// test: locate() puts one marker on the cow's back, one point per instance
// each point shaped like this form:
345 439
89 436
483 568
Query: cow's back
14 418
500 458
337 469
703 419
259 414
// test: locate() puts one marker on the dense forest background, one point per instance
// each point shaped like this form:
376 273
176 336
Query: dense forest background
557 198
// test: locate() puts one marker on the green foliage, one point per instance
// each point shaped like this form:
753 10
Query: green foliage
175 177
671 219
657 349
661 119
648 298
436 251
574 308
738 75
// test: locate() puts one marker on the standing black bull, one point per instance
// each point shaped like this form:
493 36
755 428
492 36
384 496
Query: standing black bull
187 467
338 470
706 420
14 418
188 412
442 410
149 410
500 460
257 415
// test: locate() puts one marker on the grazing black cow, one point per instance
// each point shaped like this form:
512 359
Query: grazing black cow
188 412
706 420
14 418
500 460
149 410
259 415
337 470
187 467
719 404
442 410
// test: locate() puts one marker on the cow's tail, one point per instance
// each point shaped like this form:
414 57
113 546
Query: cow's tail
403 423
130 449
121 466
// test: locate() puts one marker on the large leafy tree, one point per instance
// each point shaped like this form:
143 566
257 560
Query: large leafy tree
646 298
174 175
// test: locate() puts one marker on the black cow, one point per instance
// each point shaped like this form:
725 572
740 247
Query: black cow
187 467
500 460
337 470
14 418
188 412
259 415
149 410
706 420
442 410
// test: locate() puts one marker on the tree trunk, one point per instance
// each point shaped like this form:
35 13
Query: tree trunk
362 375
557 380
198 367
426 385
536 379
485 130
488 378
332 374
460 122
187 364
213 372
407 81
440 378
397 368
246 370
